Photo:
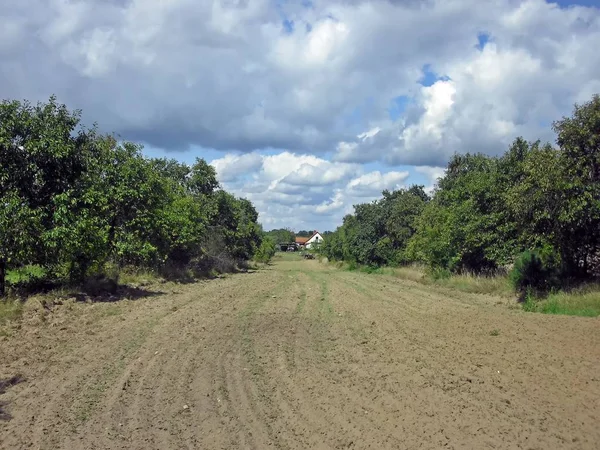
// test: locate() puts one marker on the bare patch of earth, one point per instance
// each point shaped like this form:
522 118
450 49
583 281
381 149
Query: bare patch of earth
300 355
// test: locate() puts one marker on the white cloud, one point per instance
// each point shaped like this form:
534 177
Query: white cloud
537 64
227 75
230 167
373 183
303 191
433 174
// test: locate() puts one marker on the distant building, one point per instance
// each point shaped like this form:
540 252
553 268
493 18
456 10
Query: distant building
301 241
315 239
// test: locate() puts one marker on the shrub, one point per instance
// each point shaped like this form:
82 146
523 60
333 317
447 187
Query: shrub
536 270
266 251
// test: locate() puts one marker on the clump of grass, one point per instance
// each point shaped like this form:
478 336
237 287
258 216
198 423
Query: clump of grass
412 273
10 310
139 277
352 266
582 301
495 332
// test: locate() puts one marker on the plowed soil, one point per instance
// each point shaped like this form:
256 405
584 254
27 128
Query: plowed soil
300 356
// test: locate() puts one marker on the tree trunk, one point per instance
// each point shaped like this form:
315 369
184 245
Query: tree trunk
2 277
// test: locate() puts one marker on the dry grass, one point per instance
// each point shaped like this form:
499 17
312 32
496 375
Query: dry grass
10 310
137 277
478 284
412 273
471 283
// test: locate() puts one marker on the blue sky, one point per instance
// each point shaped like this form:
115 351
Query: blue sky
308 107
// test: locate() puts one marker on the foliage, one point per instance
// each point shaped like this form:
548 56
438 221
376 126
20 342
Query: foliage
282 236
266 251
488 212
377 233
76 202
535 271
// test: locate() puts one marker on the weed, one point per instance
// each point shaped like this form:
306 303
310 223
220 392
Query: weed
439 273
530 303
495 332
372 270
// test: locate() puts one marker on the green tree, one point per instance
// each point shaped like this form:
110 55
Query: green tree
461 229
282 236
43 152
579 217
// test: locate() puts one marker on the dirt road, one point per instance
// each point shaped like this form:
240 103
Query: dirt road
300 356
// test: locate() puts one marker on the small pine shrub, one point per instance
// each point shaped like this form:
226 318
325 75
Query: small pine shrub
536 270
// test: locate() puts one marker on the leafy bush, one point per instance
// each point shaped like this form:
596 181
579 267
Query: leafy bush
266 251
535 270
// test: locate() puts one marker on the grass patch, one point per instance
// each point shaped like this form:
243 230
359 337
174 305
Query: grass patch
10 310
288 256
477 284
583 301
139 277
471 283
474 284
412 273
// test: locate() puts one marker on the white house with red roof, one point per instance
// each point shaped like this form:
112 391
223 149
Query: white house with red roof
315 239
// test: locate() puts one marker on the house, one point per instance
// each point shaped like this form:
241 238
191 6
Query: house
301 241
315 239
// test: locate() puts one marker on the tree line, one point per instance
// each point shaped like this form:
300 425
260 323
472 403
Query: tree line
78 203
535 208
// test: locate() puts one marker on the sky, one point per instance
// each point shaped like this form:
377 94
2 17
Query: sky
308 107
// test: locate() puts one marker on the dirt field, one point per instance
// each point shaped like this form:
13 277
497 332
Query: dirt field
300 356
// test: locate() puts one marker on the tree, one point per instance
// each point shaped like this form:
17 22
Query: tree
282 236
579 214
462 228
77 202
43 152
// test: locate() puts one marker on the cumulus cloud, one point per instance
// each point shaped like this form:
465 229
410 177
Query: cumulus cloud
433 174
373 183
536 64
303 189
231 166
299 96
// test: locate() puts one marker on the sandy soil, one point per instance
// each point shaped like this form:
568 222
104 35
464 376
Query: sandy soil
299 356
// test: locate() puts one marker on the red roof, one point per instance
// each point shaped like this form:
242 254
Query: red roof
304 240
